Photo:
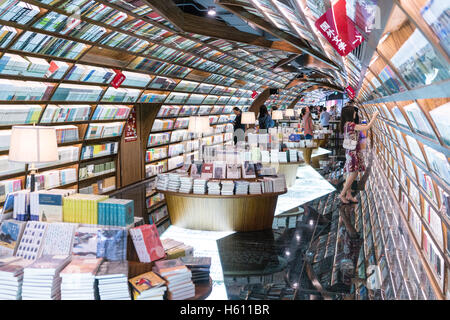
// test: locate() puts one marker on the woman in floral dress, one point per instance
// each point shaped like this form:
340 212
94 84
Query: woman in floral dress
354 158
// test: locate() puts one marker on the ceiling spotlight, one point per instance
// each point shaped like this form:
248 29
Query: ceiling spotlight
212 11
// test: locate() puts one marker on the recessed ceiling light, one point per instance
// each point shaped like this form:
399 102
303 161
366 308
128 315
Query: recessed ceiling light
212 11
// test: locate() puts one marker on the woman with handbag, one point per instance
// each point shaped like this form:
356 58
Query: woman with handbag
354 159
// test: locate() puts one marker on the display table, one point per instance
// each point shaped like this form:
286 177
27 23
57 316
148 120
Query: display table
289 169
220 212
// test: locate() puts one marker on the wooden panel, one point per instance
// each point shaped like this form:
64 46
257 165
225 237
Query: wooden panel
219 213
259 101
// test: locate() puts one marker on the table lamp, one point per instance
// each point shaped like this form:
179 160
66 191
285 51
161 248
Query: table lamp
289 112
248 118
32 145
199 125
277 115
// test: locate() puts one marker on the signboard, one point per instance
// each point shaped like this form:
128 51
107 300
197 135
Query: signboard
119 78
130 127
350 92
254 94
339 30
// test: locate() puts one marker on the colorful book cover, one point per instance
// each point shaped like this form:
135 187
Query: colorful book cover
85 242
82 265
112 244
152 242
144 282
169 266
10 234
207 171
50 207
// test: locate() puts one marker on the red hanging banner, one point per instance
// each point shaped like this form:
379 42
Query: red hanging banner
350 92
339 30
254 94
119 78
130 127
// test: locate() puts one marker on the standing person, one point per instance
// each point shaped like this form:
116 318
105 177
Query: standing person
325 119
237 122
307 124
264 119
354 158
333 111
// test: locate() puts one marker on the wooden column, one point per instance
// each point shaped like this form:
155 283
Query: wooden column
259 101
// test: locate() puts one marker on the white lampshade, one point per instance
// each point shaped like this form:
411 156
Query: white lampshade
198 124
289 112
33 144
248 118
277 115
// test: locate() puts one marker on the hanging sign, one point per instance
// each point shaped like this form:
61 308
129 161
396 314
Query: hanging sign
350 92
254 94
118 79
339 30
130 127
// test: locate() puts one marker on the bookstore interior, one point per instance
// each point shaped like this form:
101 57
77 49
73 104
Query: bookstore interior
224 150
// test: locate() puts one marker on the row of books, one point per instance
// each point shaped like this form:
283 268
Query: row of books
99 150
17 11
65 155
66 133
111 112
9 167
104 130
31 240
155 154
98 169
121 95
15 90
54 178
66 113
9 186
100 186
13 64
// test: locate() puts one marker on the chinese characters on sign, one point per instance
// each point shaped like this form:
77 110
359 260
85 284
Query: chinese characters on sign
339 30
130 127
350 92
118 79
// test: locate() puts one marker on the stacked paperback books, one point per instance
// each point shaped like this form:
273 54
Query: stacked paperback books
116 212
112 281
178 277
174 182
227 188
242 187
293 155
162 181
214 187
11 277
186 184
176 249
200 268
255 187
148 286
41 279
82 208
199 186
78 279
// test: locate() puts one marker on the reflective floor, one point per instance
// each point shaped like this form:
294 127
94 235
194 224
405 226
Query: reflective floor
300 258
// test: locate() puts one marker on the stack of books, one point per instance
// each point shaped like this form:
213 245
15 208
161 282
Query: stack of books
200 186
186 184
200 268
227 188
255 187
293 155
178 277
11 277
176 249
10 234
116 212
174 182
82 208
162 181
112 281
242 187
78 279
214 187
41 279
282 156
148 286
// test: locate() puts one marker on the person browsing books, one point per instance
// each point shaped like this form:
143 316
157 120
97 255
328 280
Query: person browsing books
237 124
264 119
325 118
354 159
307 123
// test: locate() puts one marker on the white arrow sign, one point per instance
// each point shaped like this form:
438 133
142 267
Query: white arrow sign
358 38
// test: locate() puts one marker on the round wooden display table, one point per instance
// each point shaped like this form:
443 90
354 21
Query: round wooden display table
220 212
289 169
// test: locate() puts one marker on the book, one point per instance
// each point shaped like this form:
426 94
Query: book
112 281
30 245
207 171
58 239
78 279
219 170
147 285
10 234
248 170
147 243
